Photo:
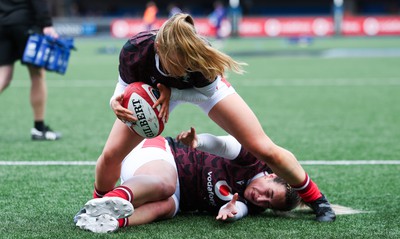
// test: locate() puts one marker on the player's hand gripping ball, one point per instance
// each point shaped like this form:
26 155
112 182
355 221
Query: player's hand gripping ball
139 98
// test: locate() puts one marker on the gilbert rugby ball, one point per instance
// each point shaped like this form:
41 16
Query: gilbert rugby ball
139 98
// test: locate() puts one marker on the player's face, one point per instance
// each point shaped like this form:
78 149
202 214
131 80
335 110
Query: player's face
266 193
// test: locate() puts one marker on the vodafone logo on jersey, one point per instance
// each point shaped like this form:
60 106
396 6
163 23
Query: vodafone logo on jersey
223 191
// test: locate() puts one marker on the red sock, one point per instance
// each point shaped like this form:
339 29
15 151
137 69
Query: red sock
97 193
123 222
122 192
308 190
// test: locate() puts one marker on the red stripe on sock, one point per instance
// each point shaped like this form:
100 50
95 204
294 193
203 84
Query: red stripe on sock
123 222
98 194
308 190
122 192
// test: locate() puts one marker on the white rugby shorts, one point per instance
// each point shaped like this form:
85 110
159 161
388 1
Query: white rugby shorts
147 151
223 89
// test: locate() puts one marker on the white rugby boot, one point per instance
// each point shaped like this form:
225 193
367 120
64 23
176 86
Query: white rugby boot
113 206
100 224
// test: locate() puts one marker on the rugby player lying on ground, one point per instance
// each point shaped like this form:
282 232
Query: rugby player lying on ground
191 173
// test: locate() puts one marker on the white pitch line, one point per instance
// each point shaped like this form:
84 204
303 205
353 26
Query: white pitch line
47 163
305 162
342 210
339 210
72 84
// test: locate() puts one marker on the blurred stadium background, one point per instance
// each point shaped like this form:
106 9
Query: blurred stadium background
121 18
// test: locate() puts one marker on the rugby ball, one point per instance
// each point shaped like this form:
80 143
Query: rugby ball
139 98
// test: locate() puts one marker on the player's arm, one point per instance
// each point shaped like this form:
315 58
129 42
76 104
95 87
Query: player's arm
119 89
233 210
224 146
116 102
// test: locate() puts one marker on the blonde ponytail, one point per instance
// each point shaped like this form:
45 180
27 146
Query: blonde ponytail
181 49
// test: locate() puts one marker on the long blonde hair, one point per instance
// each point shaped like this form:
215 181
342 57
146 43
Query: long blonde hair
181 50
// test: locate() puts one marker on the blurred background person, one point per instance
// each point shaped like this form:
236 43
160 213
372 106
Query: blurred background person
150 15
216 18
173 9
17 20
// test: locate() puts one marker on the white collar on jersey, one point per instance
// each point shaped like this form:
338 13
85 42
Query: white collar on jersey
157 58
258 175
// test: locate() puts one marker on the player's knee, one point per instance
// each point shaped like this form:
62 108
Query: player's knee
167 189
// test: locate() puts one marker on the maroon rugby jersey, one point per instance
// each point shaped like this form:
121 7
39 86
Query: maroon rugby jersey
207 182
137 63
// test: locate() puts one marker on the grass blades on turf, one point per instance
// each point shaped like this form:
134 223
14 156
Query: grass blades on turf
320 107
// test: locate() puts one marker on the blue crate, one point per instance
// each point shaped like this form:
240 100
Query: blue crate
48 52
